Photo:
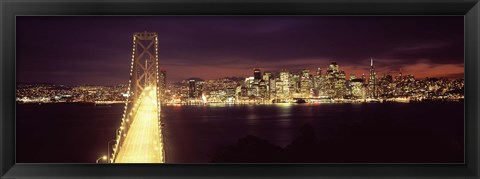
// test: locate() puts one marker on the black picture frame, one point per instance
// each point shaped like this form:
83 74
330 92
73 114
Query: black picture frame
11 8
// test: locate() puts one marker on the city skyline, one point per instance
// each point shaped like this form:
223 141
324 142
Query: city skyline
97 49
326 85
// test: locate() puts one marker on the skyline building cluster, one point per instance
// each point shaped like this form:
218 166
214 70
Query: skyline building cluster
329 85
324 85
49 93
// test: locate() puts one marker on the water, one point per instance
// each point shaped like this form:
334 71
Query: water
377 132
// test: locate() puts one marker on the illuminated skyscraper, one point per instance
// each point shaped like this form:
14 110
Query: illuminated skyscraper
162 84
318 83
283 87
249 82
284 76
384 89
357 87
191 88
294 84
257 74
305 73
335 83
279 89
333 68
267 76
305 84
262 90
372 82
272 88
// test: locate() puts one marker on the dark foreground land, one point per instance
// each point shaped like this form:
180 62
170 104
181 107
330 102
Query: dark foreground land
364 147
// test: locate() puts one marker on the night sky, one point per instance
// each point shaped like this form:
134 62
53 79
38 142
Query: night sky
97 50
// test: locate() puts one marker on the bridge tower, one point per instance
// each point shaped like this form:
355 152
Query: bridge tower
143 83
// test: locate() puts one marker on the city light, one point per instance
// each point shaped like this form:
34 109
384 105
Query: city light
101 158
330 85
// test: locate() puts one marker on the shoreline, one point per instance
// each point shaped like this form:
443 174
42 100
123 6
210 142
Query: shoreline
253 102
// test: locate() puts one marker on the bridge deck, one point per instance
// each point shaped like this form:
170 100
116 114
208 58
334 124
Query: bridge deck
143 143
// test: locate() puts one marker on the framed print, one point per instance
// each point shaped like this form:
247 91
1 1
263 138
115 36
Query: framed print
240 89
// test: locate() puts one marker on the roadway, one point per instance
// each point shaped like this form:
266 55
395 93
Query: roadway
143 143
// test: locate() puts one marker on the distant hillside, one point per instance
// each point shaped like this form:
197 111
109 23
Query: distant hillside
234 78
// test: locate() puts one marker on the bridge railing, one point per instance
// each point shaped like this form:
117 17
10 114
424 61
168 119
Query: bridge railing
131 110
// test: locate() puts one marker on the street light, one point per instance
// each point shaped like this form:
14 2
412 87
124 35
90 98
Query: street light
102 158
118 130
108 150
108 147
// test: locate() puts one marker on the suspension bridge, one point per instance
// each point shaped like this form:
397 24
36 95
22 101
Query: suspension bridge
139 137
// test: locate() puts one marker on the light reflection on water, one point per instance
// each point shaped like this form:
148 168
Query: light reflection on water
284 109
192 133
278 123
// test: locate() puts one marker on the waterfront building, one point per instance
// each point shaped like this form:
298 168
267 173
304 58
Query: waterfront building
385 89
306 84
357 89
267 76
272 88
319 83
294 85
263 90
284 86
335 82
